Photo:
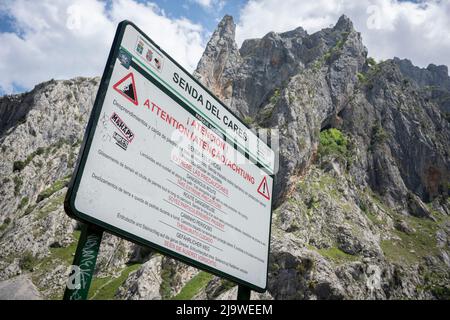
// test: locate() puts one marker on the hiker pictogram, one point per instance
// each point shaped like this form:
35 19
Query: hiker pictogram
127 87
263 188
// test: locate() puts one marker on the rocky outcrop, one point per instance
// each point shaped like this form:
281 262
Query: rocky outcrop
144 283
19 288
434 81
432 75
218 60
344 212
294 82
361 199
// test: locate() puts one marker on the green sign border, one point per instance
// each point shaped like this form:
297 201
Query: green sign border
69 202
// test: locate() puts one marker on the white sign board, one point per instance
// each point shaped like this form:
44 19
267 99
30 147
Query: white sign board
167 165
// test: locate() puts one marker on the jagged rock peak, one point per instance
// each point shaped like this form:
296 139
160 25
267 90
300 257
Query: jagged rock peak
442 69
297 32
344 24
438 73
224 35
226 27
221 53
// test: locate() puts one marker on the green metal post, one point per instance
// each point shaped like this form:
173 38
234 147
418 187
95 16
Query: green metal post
243 293
83 267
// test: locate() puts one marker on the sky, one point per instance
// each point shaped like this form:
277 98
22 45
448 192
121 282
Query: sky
62 39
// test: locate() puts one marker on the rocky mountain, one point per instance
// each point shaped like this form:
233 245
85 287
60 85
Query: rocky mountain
361 199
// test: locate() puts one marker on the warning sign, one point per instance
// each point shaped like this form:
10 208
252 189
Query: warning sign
165 164
127 88
263 189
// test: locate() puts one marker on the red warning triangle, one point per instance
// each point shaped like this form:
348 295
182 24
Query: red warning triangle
263 188
127 87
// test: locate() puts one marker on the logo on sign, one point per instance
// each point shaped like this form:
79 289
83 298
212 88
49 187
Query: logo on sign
149 55
120 141
140 47
120 124
127 88
263 188
124 58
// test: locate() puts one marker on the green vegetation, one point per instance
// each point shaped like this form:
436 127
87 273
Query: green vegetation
20 165
366 78
411 248
337 255
363 207
441 292
340 44
248 120
58 144
71 160
324 185
275 97
193 286
169 276
18 182
106 288
317 65
58 185
29 209
362 78
371 62
305 266
66 254
369 214
335 50
333 142
226 285
374 219
23 202
266 113
58 256
291 98
313 203
378 137
5 224
51 206
437 284
27 261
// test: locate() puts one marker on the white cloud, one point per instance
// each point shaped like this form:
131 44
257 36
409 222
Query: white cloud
204 3
62 39
217 5
418 31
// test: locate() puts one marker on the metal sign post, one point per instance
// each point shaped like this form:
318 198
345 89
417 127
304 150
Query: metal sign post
243 293
83 267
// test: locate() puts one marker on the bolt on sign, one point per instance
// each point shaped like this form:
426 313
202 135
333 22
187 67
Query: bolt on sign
165 164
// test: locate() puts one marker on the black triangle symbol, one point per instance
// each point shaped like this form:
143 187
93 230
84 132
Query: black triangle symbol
129 91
